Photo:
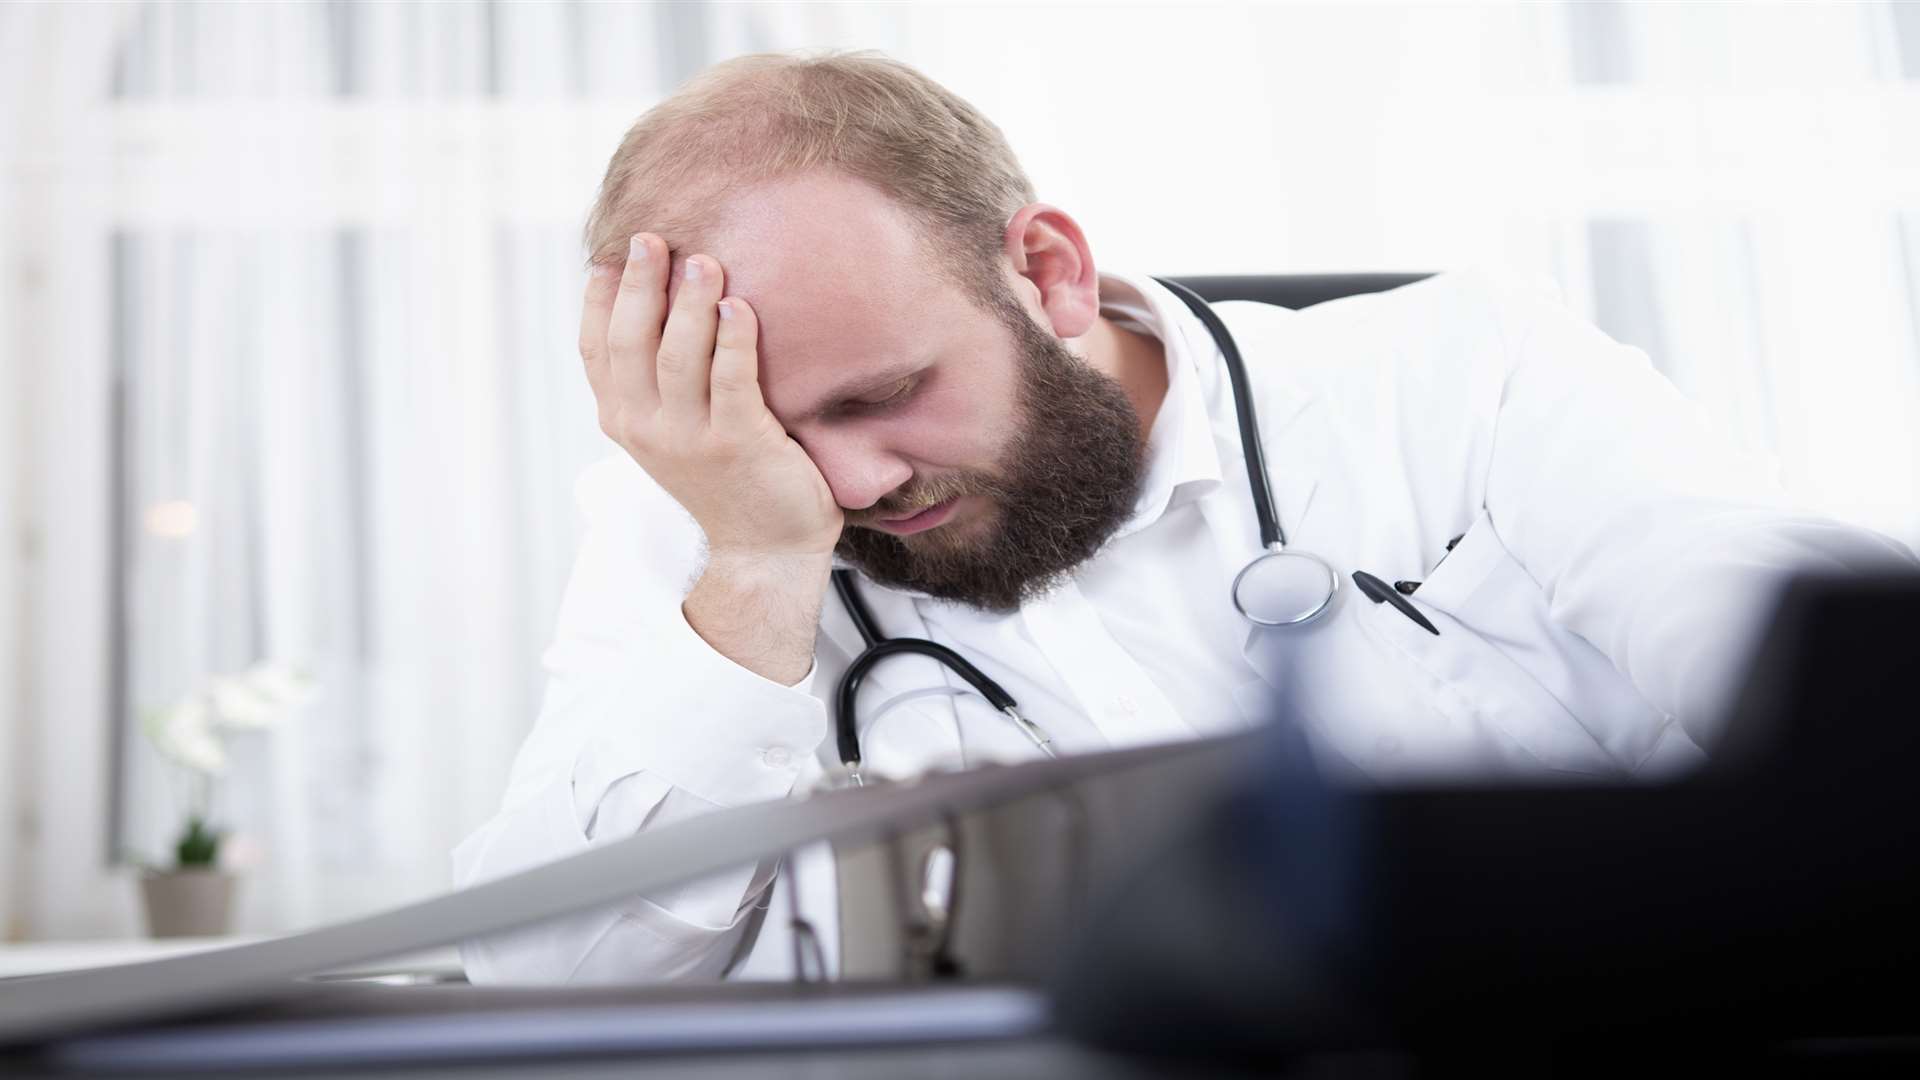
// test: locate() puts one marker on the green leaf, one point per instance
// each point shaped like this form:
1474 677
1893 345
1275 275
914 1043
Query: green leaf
199 846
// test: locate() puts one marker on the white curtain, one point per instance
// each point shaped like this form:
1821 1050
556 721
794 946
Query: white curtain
54 313
15 408
312 269
316 271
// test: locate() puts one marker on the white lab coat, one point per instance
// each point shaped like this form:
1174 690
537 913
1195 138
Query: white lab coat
1617 556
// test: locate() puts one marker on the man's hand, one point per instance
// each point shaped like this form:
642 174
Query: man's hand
683 399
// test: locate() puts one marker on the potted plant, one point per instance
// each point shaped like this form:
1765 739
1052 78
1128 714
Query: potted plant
193 897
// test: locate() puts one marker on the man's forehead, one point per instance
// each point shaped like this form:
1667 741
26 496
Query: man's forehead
814 340
822 331
840 281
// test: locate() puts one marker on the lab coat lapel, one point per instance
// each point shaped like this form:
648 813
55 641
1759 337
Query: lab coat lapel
1293 432
836 624
1294 442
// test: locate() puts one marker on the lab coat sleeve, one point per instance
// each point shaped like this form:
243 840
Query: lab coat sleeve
643 725
1651 533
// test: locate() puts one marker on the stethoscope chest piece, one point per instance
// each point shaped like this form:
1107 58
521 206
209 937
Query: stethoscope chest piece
1285 588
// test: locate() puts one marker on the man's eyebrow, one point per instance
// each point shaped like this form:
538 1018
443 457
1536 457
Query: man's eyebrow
853 388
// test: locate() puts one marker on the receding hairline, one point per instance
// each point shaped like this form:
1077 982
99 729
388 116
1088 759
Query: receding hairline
764 117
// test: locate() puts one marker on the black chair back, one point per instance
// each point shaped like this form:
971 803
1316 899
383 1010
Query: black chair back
1293 290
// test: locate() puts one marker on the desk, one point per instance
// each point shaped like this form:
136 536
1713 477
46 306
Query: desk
1033 1059
362 1019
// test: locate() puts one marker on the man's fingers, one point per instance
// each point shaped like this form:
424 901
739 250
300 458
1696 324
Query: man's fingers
686 346
737 401
603 280
693 370
633 329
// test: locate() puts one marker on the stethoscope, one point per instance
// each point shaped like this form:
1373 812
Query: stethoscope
1280 587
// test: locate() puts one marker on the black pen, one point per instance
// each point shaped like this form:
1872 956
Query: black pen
1378 591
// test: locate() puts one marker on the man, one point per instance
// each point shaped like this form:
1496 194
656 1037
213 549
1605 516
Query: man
829 323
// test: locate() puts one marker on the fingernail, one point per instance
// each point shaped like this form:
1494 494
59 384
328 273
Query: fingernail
692 270
637 249
602 271
726 310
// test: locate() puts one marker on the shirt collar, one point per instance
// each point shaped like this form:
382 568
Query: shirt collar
1182 461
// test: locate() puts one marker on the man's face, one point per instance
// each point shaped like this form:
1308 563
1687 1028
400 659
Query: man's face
1018 458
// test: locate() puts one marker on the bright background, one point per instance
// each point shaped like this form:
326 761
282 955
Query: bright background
311 270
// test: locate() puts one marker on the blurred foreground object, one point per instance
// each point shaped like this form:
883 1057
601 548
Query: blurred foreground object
1766 901
1742 913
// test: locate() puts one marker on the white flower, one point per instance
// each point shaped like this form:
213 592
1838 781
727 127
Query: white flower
286 684
192 732
184 732
257 697
237 704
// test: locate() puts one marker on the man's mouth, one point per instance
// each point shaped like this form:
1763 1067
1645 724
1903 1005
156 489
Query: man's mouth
918 521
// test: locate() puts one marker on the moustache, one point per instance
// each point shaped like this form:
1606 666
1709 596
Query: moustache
904 502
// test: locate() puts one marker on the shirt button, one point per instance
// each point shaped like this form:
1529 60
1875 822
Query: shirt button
1125 705
775 757
1387 745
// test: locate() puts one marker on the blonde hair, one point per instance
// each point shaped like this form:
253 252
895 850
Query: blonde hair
765 116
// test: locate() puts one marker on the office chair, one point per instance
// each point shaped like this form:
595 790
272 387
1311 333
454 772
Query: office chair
1293 290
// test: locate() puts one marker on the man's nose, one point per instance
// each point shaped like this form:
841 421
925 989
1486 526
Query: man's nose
858 473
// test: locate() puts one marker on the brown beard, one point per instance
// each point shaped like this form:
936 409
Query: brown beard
1068 482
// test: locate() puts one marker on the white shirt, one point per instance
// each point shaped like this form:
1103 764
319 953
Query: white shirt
1131 632
1615 548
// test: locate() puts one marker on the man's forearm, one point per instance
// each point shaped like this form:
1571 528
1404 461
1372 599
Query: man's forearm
762 612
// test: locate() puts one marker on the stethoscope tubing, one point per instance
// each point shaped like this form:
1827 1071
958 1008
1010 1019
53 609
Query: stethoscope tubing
1251 448
878 648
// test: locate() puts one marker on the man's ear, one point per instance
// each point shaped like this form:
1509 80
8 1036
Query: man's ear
1049 253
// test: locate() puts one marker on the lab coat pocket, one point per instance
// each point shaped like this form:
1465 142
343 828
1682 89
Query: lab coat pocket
1495 642
1366 706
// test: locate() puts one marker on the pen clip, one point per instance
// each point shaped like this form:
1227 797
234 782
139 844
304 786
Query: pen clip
1380 592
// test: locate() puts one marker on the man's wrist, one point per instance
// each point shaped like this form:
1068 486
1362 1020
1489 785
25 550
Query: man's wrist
769 566
761 610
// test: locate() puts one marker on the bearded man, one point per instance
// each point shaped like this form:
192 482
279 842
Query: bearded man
828 324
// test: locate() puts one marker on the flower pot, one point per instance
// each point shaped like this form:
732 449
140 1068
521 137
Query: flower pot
188 903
